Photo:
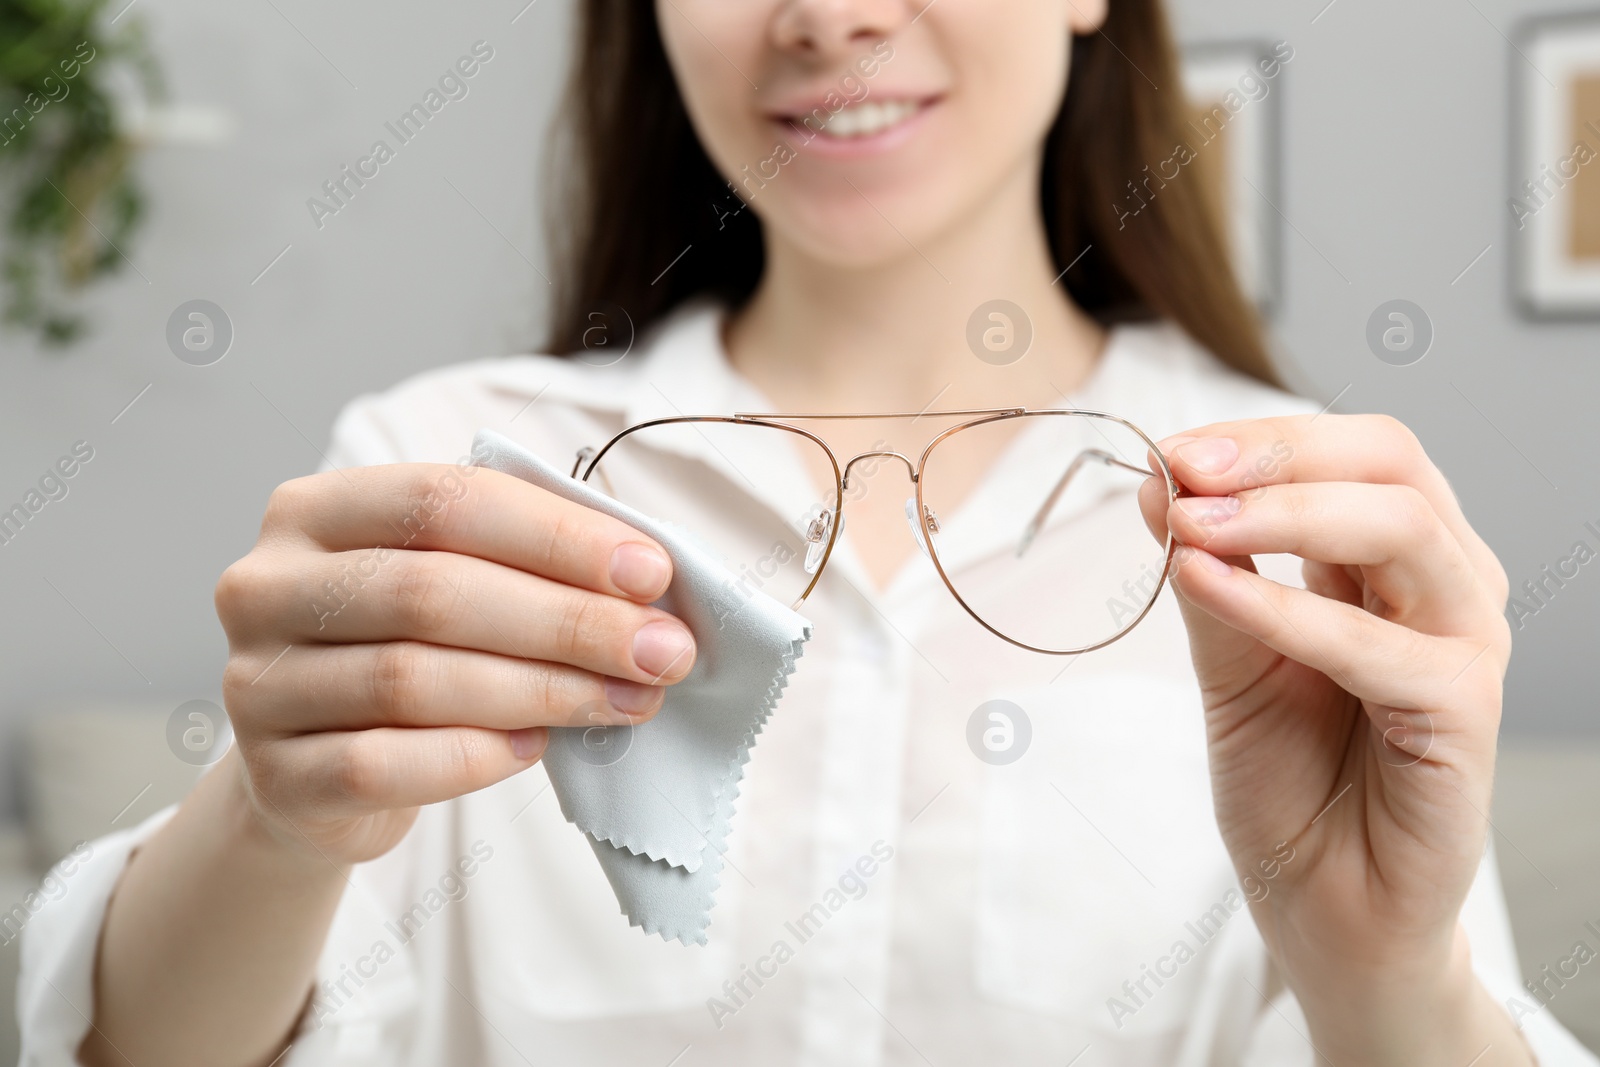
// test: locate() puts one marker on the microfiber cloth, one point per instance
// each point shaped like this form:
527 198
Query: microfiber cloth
655 799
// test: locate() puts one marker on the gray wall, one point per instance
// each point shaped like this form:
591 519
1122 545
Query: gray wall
407 277
1395 173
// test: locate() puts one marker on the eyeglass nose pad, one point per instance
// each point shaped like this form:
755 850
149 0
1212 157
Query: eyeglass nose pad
916 527
817 540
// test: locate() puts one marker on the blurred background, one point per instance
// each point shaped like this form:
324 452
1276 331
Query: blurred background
1383 166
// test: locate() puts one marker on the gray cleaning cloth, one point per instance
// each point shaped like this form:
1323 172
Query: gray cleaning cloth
655 800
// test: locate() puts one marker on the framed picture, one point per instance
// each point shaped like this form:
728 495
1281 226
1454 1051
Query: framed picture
1554 199
1234 97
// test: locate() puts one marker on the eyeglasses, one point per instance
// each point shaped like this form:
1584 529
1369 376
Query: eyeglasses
1052 557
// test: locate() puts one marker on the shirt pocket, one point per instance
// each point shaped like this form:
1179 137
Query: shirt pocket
1098 850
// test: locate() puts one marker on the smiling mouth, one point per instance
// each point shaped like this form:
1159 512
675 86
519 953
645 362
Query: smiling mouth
865 119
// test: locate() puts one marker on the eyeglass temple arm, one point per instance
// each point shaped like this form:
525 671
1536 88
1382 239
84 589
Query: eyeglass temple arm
585 458
1043 514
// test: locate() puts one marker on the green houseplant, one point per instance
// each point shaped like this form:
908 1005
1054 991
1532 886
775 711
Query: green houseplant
68 197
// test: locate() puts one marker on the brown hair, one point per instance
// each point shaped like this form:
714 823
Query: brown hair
637 190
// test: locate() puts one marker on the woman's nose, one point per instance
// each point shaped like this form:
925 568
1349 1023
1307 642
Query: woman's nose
827 27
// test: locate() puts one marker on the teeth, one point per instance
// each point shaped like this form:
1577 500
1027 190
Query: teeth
867 118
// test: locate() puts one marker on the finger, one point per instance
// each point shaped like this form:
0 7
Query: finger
1334 582
1229 457
1153 505
465 602
1409 558
477 512
344 775
1226 660
1376 660
410 683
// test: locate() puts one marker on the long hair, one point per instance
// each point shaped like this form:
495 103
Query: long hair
635 189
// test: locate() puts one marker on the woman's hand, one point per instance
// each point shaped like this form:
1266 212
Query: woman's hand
1351 724
398 636
403 635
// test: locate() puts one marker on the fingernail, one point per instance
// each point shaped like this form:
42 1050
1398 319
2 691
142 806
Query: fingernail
631 697
1171 444
526 744
662 648
1212 455
639 569
1209 510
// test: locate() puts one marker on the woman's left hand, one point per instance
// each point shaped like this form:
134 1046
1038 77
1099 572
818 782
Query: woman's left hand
1354 720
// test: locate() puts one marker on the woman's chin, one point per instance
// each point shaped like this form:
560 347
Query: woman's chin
854 234
847 251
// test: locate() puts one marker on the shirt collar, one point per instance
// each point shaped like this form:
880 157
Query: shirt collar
1136 379
677 367
680 367
684 370
1148 374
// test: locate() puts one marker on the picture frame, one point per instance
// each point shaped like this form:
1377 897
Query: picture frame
1240 161
1553 194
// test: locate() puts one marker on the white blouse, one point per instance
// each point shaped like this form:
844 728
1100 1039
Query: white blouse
1074 907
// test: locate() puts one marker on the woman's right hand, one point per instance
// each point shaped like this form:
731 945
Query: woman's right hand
402 635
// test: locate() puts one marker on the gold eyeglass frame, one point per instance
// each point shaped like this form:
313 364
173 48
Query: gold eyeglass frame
588 459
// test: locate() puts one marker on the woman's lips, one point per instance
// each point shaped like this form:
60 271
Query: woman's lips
870 127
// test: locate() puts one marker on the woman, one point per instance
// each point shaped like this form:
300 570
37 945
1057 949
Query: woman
1348 727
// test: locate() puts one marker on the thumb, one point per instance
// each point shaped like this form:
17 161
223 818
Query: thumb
1226 660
